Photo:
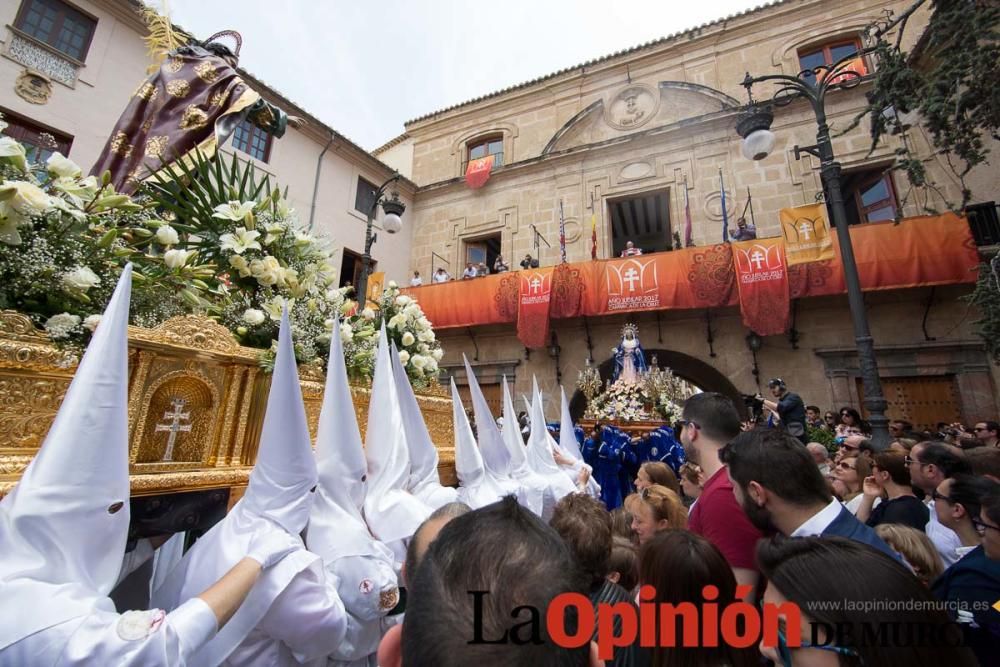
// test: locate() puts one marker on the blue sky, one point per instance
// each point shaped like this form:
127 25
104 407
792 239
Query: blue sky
366 68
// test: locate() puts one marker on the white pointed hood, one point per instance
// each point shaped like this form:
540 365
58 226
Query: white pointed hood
476 488
336 525
64 526
392 512
425 482
533 486
540 450
567 436
495 457
285 470
278 497
569 445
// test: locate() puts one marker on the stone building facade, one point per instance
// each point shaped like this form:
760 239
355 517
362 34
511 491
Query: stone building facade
630 140
72 78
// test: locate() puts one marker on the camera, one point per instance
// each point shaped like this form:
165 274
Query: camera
753 403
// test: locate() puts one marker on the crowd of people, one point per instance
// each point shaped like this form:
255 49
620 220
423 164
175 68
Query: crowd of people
358 555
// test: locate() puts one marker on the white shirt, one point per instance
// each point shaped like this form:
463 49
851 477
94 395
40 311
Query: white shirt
945 539
104 638
469 273
441 277
854 503
368 588
416 281
820 521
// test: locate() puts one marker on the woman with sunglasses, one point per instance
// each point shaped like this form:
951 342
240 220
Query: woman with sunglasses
850 423
973 583
957 503
851 472
804 570
890 479
653 509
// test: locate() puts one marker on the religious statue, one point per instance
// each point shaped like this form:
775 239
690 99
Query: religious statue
630 360
193 101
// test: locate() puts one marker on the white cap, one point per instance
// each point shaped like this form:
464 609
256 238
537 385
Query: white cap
540 449
64 526
391 511
495 457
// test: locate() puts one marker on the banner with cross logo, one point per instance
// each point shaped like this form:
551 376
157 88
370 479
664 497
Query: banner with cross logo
533 301
806 231
762 281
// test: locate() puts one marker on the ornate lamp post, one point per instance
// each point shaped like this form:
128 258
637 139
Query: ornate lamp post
391 223
758 140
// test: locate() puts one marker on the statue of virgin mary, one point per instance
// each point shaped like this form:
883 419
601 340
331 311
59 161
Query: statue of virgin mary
630 360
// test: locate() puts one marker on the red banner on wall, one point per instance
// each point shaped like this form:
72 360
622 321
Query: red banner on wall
762 281
533 302
478 172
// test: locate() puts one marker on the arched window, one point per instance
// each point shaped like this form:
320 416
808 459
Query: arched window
481 147
829 52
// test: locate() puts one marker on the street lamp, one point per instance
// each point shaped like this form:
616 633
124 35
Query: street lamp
392 223
758 140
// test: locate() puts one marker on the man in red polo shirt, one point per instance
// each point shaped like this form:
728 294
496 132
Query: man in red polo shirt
710 421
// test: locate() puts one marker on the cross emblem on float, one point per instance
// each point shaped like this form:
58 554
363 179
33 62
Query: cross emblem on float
757 258
805 230
174 427
535 284
631 277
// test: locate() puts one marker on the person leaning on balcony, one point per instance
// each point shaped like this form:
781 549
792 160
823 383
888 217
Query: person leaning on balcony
631 250
470 271
499 266
416 280
529 262
441 276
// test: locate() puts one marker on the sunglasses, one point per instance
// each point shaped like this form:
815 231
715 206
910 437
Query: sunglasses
981 526
844 465
982 430
785 652
940 496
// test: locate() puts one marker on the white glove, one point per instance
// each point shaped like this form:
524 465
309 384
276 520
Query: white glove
270 547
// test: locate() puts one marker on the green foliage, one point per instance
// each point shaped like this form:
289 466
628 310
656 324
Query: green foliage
953 87
822 436
986 297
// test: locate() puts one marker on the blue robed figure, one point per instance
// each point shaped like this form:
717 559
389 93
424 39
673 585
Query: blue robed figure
661 446
604 453
630 360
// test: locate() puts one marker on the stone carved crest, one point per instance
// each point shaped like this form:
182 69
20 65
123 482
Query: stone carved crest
33 86
632 107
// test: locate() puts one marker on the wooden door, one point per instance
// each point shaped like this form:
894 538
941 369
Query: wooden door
923 400
493 393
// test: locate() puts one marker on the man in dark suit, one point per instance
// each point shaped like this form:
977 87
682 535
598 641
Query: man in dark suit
780 489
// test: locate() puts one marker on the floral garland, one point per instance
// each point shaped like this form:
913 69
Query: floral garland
623 401
64 239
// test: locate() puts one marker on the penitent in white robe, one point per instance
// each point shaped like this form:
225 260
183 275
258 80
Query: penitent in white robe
104 637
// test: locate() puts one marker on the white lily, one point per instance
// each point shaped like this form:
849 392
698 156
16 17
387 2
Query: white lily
62 167
239 241
236 211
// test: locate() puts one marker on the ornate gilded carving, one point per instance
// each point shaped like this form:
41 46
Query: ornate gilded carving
29 406
33 87
194 332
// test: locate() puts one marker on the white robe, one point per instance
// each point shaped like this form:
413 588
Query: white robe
369 590
96 639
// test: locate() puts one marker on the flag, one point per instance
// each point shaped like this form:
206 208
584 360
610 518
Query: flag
562 233
725 215
478 171
687 219
593 235
807 234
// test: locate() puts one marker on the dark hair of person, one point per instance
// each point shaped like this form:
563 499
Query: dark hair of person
511 553
621 523
625 561
854 414
779 463
894 463
990 504
944 457
662 559
714 414
585 525
984 461
660 473
450 510
969 491
814 408
807 569
992 426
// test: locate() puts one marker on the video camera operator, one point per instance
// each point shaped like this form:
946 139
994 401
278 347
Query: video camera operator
789 407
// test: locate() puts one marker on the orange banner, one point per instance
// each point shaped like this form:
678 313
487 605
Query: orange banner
928 250
533 307
762 281
478 172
